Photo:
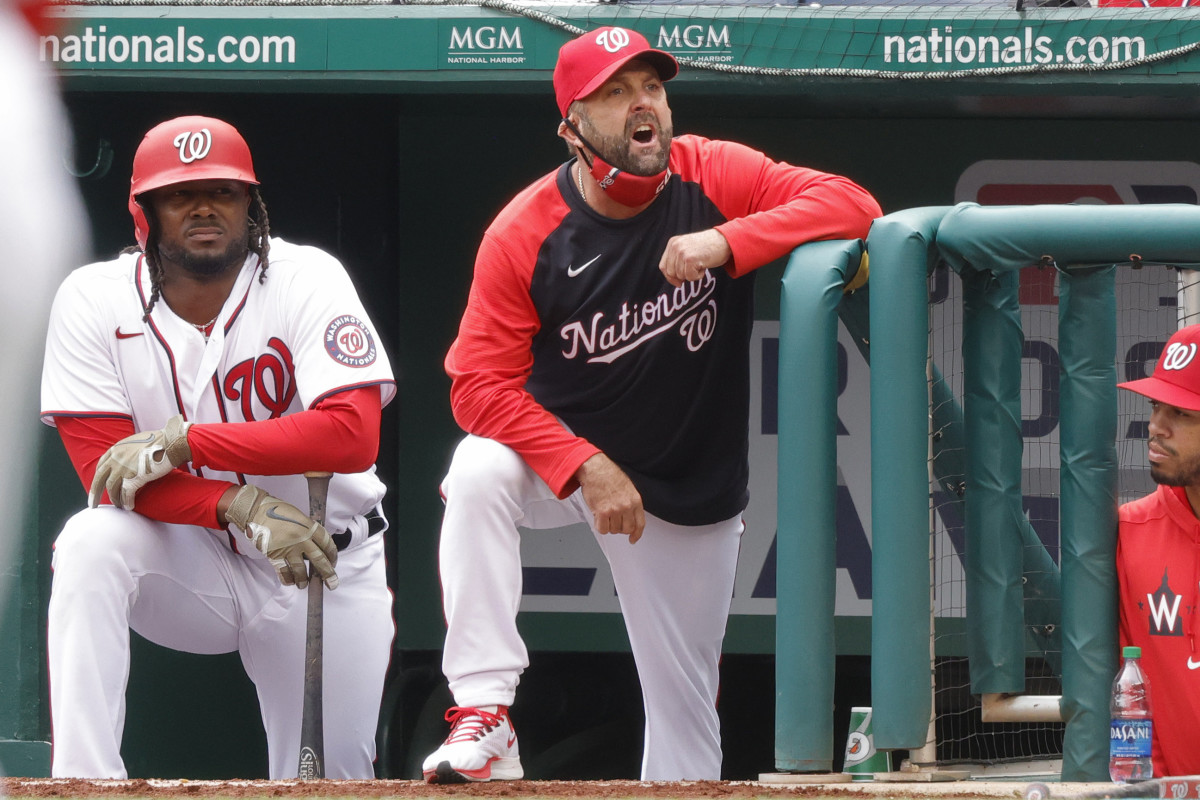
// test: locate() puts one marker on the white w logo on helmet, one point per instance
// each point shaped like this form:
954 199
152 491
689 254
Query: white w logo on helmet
613 40
1178 356
193 146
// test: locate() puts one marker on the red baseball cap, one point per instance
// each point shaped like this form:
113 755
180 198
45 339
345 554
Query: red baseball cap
589 60
1176 378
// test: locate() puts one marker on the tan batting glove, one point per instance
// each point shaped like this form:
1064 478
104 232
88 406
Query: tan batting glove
285 536
136 460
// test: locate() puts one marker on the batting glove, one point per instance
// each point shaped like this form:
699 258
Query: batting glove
285 536
136 460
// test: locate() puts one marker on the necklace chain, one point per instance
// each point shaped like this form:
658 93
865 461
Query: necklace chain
579 179
204 328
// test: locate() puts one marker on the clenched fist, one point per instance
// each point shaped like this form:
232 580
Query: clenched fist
136 460
285 536
688 256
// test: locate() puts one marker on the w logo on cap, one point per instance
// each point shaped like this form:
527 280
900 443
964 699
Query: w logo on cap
613 39
193 146
1178 356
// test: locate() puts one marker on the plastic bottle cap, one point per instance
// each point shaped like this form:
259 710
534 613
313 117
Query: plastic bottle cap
1131 652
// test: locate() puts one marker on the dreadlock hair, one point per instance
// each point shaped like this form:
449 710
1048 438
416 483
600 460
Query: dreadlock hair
259 243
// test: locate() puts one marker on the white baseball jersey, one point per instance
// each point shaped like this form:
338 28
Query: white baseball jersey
277 347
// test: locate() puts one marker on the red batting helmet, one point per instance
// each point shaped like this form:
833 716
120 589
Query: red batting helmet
186 149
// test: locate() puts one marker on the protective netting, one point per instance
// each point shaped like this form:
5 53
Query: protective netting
1147 303
866 39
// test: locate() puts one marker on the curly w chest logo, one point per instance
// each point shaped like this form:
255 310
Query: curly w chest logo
263 386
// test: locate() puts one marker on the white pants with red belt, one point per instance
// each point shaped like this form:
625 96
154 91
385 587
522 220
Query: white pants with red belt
675 587
182 587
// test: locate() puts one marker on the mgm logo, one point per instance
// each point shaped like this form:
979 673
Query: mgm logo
486 45
703 42
485 39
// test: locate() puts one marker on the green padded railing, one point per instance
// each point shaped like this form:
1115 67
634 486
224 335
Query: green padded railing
1011 580
805 654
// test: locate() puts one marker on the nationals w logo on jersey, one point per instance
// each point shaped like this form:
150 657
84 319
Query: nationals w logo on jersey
1164 616
268 382
1178 355
193 146
348 341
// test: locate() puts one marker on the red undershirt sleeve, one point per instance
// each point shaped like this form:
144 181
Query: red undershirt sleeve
180 497
339 434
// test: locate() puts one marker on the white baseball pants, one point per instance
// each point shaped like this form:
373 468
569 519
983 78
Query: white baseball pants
181 587
675 587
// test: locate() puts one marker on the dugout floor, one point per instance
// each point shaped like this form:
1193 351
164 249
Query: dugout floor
73 788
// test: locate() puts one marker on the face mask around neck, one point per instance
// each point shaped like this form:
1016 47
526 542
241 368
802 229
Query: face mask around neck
627 189
624 187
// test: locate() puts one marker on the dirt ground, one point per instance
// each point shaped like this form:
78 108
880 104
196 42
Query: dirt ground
48 787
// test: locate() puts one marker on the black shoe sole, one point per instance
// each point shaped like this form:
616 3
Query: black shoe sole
446 774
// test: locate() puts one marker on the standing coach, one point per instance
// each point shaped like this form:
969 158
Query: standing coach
601 370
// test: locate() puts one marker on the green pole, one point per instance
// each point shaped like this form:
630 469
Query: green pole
901 246
806 550
1041 585
991 355
1087 341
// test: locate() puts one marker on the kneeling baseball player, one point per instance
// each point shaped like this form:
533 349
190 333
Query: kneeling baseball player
193 380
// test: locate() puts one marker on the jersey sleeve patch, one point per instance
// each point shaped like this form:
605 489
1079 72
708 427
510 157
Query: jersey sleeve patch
349 342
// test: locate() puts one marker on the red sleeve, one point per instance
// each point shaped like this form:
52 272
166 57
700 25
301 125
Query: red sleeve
492 357
772 206
339 434
180 497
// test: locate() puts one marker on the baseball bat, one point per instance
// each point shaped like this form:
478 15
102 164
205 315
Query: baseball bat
1177 788
312 726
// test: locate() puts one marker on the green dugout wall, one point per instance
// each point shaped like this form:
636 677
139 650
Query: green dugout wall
377 147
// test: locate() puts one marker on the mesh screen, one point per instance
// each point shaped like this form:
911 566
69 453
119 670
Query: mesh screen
1147 315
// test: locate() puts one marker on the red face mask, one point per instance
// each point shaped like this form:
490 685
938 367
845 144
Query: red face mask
627 189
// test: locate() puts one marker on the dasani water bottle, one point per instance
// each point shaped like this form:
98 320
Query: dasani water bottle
1132 727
